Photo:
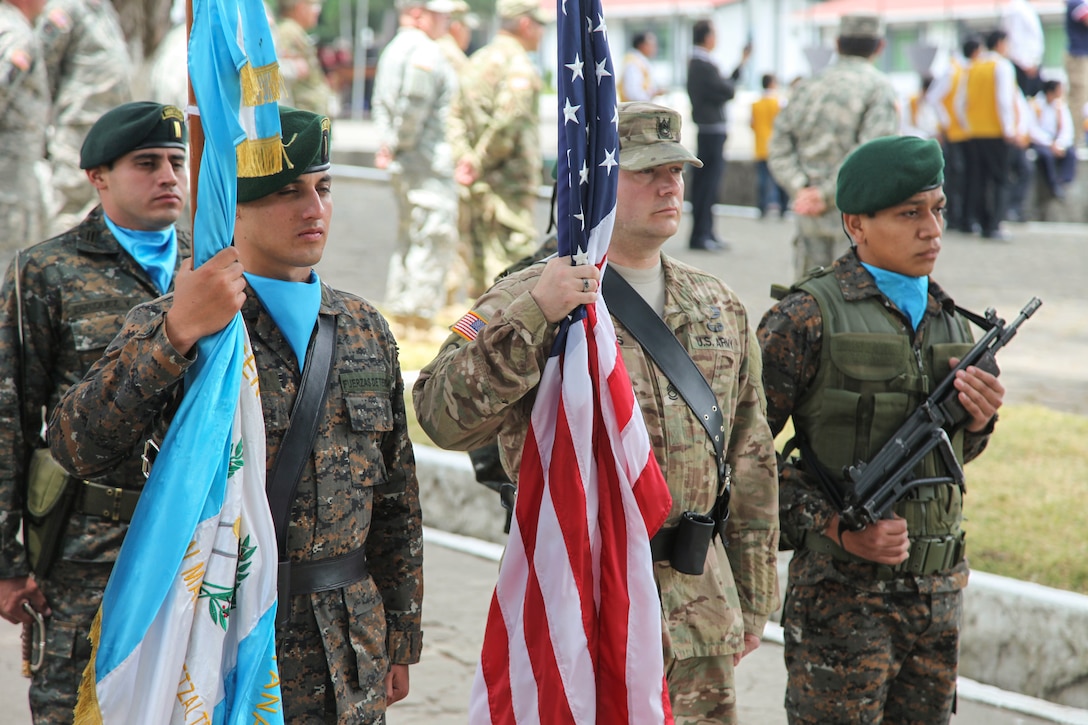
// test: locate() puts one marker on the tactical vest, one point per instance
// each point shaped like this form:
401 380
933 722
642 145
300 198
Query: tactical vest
869 380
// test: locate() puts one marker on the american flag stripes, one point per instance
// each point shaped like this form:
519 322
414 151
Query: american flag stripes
574 630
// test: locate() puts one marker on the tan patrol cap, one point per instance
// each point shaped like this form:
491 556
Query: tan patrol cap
650 136
508 9
861 25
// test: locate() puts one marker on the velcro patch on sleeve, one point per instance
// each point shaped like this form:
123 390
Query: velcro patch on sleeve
469 326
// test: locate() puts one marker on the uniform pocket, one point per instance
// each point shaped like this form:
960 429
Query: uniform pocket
370 417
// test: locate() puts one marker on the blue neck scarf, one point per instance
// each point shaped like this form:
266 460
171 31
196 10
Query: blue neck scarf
293 306
156 252
910 294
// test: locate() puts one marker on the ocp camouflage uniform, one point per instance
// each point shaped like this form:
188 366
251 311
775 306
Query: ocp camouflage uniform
89 73
473 390
24 109
413 89
864 642
358 489
76 290
495 125
829 115
304 78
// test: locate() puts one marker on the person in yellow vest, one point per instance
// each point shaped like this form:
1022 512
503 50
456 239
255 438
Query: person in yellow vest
988 105
638 79
764 110
953 133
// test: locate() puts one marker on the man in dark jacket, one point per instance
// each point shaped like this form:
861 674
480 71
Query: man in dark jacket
709 91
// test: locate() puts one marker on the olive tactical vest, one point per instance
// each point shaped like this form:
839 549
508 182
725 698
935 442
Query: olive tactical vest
869 380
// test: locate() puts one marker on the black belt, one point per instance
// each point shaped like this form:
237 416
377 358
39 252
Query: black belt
306 577
108 502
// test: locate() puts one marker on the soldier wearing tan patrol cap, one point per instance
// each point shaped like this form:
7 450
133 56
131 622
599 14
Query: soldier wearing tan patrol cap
485 381
872 616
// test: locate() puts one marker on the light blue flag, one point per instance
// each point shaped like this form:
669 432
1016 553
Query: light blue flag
186 629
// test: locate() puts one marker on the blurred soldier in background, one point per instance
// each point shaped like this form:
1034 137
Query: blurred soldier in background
413 89
303 76
494 129
89 73
830 114
458 36
24 108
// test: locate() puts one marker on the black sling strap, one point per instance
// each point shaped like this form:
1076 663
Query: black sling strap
298 441
665 350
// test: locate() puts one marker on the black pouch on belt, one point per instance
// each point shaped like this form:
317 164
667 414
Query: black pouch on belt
693 536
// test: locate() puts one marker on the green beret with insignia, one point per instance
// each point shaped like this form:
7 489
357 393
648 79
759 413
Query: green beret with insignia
887 171
132 126
650 136
307 139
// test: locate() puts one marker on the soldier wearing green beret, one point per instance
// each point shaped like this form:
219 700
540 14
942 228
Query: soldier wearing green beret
344 650
484 382
872 616
64 300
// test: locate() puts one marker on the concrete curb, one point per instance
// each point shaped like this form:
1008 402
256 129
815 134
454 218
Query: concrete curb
1016 635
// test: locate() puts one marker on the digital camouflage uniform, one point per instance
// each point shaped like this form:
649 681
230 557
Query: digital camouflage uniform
359 488
24 108
413 90
472 391
89 73
307 87
863 643
827 117
76 290
495 124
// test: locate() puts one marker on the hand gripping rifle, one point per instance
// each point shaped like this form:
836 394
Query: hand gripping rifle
872 488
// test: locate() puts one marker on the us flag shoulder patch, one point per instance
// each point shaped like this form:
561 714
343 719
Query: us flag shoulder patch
469 326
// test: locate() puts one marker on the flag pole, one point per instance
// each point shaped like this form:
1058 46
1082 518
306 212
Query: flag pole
196 131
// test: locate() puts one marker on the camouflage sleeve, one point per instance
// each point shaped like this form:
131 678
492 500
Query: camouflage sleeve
292 47
790 336
101 419
752 532
462 396
457 126
416 102
514 108
395 542
782 159
12 557
55 31
17 58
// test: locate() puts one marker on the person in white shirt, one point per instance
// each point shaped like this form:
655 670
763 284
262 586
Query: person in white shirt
1020 21
638 80
1021 172
1052 137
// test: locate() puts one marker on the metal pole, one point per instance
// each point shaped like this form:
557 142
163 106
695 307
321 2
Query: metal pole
362 43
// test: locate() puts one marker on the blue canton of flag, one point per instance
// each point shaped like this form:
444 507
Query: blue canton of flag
589 143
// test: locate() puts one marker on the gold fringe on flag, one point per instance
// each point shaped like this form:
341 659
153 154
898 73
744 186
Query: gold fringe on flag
260 157
261 85
87 711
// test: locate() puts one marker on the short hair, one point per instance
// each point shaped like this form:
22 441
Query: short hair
639 39
767 80
971 44
700 31
1051 86
994 37
858 47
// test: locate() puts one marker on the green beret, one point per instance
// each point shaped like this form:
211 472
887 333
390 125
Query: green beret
307 141
131 126
887 171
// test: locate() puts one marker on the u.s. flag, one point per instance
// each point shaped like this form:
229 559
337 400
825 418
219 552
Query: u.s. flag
574 630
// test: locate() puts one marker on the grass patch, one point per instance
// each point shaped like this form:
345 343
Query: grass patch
1026 516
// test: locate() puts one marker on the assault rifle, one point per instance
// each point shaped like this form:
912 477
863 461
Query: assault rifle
872 488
